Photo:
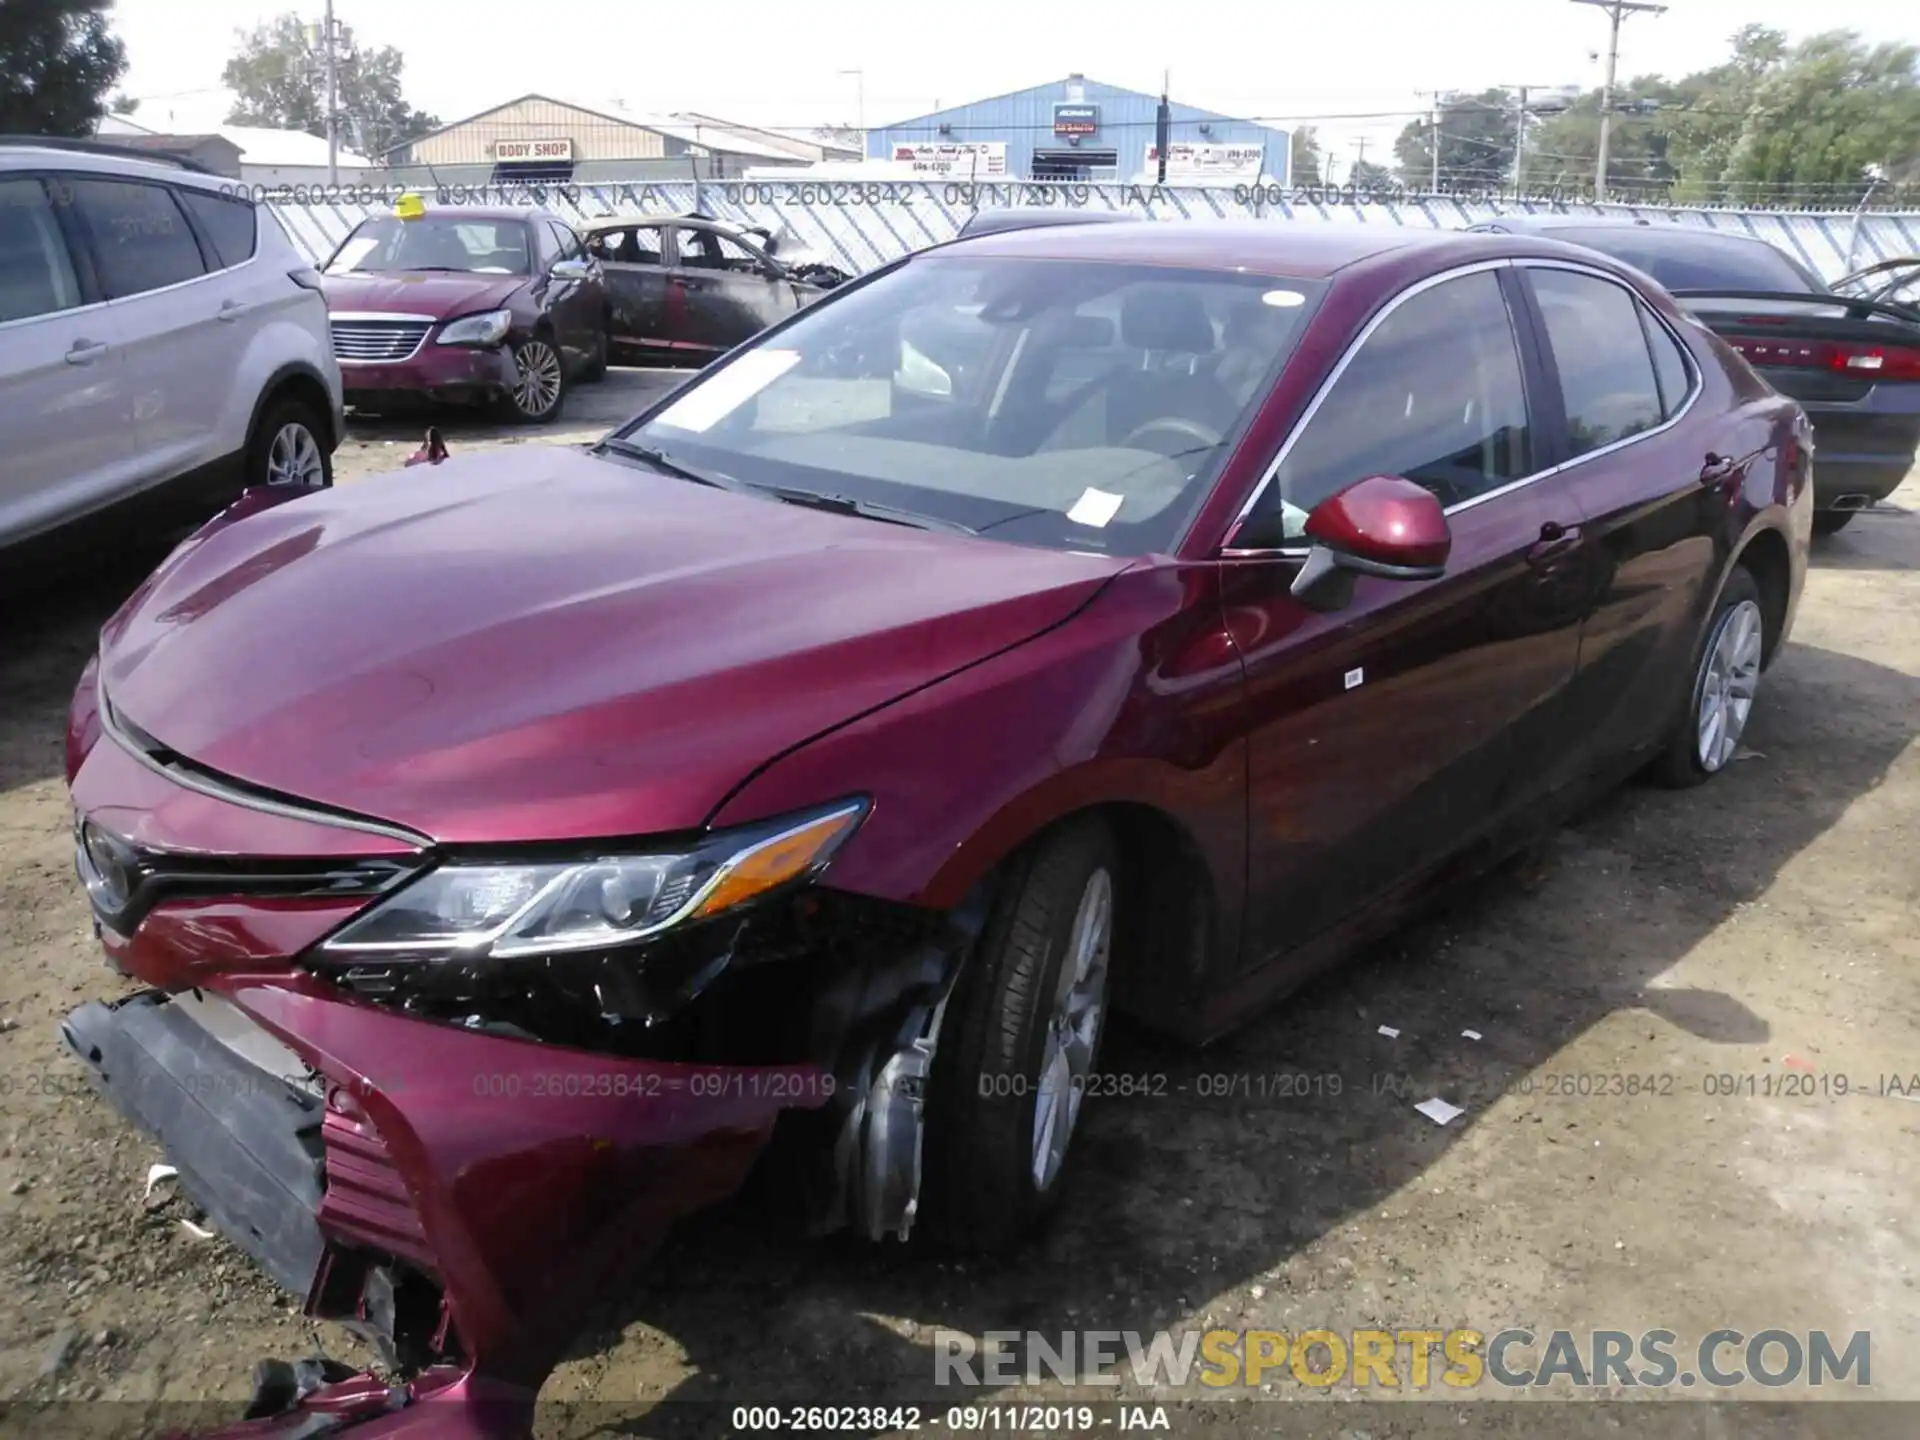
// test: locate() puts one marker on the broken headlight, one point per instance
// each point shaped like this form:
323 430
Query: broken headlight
473 910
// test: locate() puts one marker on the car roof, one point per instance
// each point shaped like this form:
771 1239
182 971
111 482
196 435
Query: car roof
36 153
1298 250
1658 231
992 222
479 212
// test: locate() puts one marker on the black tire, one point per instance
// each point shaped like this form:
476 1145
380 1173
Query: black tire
1831 522
281 417
979 1190
515 405
1681 765
596 370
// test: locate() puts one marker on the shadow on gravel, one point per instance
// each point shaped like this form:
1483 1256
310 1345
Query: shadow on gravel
1181 1196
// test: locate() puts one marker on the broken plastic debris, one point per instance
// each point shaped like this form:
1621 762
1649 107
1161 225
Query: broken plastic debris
1745 754
199 1232
1439 1111
1794 1062
1389 1032
155 1174
1470 1034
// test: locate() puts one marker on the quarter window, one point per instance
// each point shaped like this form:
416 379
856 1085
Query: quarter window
140 239
228 223
1669 366
1606 369
1434 394
36 274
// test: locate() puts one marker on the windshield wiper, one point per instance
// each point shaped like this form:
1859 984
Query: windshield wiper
660 460
865 509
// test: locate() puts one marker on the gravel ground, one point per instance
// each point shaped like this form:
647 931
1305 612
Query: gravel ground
1761 927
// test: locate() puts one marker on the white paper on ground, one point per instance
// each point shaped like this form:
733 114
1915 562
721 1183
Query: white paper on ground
1389 1032
157 1173
199 1232
1439 1111
707 402
1095 507
1470 1034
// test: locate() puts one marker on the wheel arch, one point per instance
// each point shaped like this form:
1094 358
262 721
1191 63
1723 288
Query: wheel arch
295 380
1768 559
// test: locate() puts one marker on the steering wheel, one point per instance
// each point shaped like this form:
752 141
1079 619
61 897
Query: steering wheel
1184 432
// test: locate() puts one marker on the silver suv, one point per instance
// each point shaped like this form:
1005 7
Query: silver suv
163 345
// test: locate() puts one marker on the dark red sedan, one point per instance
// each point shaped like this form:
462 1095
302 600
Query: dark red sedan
466 305
1122 617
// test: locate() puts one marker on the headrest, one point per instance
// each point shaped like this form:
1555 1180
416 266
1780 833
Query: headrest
1168 317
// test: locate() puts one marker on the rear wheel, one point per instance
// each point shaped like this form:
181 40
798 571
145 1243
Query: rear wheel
1011 1073
1726 677
288 448
1829 522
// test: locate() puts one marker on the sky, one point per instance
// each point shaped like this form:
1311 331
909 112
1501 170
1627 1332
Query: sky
1355 69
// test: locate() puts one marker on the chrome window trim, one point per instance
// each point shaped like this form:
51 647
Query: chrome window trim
200 783
1272 472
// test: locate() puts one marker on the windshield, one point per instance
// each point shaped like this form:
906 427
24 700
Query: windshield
1681 261
484 247
1059 403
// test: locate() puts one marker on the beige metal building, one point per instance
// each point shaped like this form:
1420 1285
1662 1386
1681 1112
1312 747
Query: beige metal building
537 138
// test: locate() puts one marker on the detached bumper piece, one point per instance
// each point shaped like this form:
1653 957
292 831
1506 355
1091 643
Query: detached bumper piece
247 1142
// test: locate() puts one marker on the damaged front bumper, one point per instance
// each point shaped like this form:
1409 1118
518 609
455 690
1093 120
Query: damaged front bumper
462 1200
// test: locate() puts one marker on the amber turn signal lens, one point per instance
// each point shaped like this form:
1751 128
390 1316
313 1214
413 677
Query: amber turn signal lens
775 861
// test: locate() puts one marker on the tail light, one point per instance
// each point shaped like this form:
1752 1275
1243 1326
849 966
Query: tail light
1841 357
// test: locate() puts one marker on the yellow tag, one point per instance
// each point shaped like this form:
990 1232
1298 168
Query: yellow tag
409 207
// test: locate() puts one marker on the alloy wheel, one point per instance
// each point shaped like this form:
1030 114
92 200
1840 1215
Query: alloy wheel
1073 1028
1729 677
537 390
293 458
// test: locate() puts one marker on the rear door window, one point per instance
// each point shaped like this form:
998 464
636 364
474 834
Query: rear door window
36 273
228 223
140 239
1600 349
1670 365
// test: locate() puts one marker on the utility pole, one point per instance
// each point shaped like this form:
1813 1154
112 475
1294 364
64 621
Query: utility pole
1520 146
1433 97
1617 10
330 38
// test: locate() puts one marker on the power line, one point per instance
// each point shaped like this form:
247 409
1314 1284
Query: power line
1617 10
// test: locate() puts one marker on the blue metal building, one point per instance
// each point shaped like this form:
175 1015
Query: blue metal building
1079 129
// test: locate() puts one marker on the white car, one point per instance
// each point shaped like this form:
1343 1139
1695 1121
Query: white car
163 345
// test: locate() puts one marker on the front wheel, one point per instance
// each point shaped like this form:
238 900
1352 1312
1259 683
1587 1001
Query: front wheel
540 383
1012 1073
1726 676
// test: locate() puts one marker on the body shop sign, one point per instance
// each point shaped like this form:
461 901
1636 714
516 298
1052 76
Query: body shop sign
1076 119
1209 164
507 151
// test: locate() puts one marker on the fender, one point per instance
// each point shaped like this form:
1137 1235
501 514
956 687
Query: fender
963 772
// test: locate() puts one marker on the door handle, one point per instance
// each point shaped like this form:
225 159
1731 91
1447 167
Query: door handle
1556 540
85 352
232 310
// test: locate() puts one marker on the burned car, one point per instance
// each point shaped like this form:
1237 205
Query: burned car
517 851
684 289
466 305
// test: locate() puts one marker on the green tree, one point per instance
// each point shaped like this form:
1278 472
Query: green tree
1563 149
1366 175
1476 138
123 104
57 62
1306 156
278 81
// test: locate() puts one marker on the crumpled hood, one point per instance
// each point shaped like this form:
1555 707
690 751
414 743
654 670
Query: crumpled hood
416 292
540 644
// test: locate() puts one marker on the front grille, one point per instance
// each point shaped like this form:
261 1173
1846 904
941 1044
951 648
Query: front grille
371 341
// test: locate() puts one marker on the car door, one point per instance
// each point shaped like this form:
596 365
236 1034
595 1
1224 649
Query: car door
1388 736
64 406
579 307
633 265
181 363
730 290
1652 531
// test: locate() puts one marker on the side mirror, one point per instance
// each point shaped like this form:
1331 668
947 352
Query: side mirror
1383 526
571 269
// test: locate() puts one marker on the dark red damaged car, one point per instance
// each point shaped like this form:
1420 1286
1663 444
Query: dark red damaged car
1095 618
